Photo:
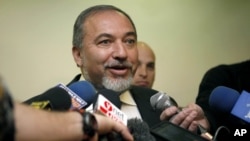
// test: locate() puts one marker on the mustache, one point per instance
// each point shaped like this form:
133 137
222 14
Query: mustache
124 64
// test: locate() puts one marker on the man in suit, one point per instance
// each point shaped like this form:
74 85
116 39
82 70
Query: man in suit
104 48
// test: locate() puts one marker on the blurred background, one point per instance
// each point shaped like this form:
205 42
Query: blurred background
188 38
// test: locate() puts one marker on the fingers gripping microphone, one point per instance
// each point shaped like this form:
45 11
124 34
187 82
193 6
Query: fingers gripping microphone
166 130
161 101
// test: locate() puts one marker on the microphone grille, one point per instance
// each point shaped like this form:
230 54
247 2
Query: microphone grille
161 101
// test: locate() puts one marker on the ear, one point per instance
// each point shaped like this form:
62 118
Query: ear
76 52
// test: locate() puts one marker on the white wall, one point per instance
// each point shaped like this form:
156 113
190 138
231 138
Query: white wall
188 38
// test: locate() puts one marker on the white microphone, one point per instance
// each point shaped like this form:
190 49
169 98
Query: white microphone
104 106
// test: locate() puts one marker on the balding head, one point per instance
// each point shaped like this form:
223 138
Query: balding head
145 72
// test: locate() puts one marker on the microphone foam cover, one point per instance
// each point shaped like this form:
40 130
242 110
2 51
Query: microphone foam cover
85 90
223 98
140 130
161 101
59 99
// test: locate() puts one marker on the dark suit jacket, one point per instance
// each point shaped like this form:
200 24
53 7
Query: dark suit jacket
141 96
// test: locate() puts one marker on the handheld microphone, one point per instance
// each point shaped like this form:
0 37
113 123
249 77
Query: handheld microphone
53 99
60 97
161 101
140 130
166 130
231 101
107 103
82 94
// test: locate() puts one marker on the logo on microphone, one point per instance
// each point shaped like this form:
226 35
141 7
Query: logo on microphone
107 108
77 101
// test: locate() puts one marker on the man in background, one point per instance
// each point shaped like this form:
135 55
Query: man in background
145 73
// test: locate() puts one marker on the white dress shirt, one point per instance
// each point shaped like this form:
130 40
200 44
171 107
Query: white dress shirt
129 106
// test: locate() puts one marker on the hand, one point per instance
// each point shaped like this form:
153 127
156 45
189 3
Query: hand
106 125
189 117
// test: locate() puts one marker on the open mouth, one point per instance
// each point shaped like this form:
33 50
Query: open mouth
119 70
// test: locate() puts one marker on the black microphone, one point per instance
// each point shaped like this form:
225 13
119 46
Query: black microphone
78 95
53 99
140 130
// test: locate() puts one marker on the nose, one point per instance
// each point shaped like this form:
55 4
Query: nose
120 51
142 71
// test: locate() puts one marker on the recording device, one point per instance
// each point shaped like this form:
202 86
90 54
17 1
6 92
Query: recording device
165 130
62 98
231 101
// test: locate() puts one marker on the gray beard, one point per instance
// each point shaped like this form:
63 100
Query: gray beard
119 84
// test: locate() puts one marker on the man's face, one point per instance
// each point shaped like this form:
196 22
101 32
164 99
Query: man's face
145 72
109 53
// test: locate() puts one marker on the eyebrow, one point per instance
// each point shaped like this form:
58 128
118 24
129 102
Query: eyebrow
110 36
103 35
131 34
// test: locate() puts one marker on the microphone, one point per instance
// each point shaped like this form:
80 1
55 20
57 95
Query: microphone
82 94
231 101
62 98
108 103
53 99
140 130
166 130
161 101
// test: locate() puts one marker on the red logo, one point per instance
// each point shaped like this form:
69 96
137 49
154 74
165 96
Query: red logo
107 107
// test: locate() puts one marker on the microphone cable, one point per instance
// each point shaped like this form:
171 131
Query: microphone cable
218 130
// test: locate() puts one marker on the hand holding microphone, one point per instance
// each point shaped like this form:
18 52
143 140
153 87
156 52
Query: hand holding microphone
191 117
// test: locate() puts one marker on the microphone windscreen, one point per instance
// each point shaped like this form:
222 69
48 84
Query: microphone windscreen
58 98
84 90
223 98
161 101
139 130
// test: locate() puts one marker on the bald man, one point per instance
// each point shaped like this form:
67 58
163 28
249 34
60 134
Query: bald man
145 72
